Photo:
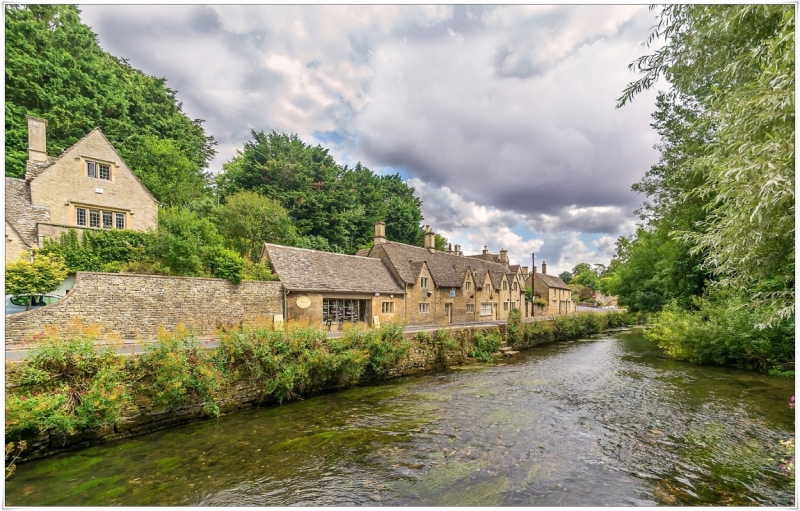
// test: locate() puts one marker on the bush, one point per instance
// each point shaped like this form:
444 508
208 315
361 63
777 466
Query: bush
723 331
486 343
258 271
225 264
515 333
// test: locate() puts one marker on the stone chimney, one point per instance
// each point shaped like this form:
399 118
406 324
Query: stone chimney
430 239
503 256
544 268
37 138
380 233
449 248
524 270
485 250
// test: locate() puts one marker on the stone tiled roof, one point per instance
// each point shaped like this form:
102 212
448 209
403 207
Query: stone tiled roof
301 269
21 214
34 168
492 258
444 267
552 281
364 252
513 268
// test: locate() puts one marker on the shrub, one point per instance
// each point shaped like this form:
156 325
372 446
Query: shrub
225 264
486 343
515 333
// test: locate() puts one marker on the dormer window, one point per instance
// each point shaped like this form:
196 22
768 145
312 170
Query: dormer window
423 282
505 285
98 170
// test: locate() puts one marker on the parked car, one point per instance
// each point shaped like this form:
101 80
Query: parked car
18 303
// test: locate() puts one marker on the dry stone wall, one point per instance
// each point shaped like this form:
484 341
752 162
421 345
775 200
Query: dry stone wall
135 306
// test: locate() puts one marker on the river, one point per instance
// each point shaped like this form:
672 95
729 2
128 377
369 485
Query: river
603 421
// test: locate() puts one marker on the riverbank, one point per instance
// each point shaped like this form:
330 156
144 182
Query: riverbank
67 395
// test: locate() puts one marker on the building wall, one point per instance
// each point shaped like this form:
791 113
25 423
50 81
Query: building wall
312 315
135 306
415 295
65 185
15 246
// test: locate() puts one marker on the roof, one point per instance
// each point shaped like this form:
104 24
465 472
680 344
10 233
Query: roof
34 168
364 252
552 281
302 269
447 270
21 214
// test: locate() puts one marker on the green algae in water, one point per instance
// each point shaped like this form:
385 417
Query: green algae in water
67 466
167 465
482 494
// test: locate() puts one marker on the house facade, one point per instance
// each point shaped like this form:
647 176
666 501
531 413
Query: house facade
552 289
89 186
395 282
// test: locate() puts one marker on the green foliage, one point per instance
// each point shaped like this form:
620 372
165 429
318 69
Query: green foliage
67 385
723 331
225 264
247 220
258 271
182 241
42 275
515 332
440 242
727 129
56 69
324 199
565 276
442 342
486 344
106 250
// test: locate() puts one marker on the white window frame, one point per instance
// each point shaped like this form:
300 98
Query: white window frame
486 289
470 308
110 215
468 286
387 307
91 169
423 282
80 214
104 169
486 309
92 214
425 308
117 218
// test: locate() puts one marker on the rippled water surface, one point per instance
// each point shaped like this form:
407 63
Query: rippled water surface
602 421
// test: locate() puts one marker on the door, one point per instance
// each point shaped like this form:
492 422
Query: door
448 309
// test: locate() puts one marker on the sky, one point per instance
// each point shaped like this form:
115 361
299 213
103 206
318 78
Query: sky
502 118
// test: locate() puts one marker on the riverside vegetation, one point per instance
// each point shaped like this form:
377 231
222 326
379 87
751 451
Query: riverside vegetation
69 384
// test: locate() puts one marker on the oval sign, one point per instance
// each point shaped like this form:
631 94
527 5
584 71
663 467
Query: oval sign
303 302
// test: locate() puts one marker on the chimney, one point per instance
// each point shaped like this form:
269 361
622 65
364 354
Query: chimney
544 268
380 233
524 270
503 256
37 138
449 248
458 250
485 250
430 239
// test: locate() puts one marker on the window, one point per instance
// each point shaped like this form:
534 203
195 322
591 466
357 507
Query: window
513 286
487 289
94 218
80 214
468 286
423 282
343 310
97 218
387 307
470 309
107 219
505 306
505 285
120 221
101 170
452 293
424 308
486 309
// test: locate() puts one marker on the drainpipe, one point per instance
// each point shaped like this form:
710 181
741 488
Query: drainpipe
285 307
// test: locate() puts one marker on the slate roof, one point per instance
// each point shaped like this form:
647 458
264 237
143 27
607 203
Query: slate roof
21 214
447 270
364 252
552 281
492 258
301 269
34 168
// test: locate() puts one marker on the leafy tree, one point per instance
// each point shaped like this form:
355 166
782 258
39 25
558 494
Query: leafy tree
734 68
581 268
565 276
440 242
56 69
588 279
183 241
247 220
103 250
42 275
324 199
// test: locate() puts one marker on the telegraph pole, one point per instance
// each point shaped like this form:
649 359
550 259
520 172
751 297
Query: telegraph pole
533 296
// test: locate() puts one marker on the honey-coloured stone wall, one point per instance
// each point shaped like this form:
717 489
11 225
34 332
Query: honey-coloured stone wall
135 306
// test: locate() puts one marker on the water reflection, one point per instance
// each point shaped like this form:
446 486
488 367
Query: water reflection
602 421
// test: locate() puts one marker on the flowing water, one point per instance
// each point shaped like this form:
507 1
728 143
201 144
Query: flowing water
601 421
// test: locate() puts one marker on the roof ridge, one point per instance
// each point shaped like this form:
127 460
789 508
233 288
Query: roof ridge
322 251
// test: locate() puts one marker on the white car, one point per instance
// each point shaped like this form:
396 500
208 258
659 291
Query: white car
18 303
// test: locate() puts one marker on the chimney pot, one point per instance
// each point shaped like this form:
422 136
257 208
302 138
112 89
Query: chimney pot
485 250
430 239
544 268
503 255
37 138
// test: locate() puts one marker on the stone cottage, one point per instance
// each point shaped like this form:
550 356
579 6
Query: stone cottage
552 289
88 186
335 289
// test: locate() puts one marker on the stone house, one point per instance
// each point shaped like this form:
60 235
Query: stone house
88 186
552 289
334 289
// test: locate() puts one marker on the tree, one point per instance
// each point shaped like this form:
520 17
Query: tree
42 275
440 242
56 69
183 242
581 268
247 220
565 276
734 67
